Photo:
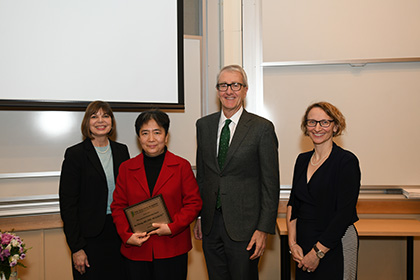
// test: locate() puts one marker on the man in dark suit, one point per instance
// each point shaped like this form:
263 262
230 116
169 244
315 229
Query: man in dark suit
239 187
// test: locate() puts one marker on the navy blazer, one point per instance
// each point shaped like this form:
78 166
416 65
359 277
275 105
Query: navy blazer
83 191
249 181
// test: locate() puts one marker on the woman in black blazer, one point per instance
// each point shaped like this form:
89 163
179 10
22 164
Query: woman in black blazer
322 205
87 182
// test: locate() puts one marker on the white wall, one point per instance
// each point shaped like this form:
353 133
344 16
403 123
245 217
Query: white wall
331 30
379 101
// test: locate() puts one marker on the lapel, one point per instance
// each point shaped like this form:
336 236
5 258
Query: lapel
213 126
93 157
165 173
139 173
240 132
115 158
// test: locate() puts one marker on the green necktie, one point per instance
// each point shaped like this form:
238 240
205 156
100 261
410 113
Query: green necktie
223 149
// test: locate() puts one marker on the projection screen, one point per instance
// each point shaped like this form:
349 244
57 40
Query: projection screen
60 54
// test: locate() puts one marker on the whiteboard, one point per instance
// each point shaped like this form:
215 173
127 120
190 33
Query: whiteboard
82 50
328 30
379 102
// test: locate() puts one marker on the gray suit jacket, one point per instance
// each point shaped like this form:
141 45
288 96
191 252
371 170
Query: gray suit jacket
249 181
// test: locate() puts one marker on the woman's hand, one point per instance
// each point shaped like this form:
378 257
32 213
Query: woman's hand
162 229
309 262
138 238
80 261
297 253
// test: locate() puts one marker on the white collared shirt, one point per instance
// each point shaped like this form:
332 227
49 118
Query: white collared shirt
232 126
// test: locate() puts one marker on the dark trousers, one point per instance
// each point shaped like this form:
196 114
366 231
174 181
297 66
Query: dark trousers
227 259
159 269
103 253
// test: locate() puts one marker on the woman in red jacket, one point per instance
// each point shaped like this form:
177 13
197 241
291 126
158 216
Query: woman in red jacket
163 252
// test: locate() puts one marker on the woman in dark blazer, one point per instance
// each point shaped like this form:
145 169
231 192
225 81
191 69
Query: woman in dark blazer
163 252
322 206
87 182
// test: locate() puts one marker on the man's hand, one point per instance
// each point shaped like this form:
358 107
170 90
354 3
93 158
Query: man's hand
80 261
258 239
198 234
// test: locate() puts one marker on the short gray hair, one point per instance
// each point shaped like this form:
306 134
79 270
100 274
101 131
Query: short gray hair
234 68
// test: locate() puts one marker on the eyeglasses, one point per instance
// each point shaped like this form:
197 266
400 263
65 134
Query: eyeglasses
233 86
322 123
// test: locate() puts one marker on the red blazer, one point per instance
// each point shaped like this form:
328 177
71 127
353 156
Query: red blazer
177 184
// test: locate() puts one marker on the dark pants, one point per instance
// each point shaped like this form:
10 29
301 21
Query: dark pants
103 253
227 259
159 269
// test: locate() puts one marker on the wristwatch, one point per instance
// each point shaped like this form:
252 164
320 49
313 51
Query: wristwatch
318 252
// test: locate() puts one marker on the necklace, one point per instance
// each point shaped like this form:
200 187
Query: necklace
321 160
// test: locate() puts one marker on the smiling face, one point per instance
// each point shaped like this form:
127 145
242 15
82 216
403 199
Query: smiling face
100 124
231 100
152 138
318 134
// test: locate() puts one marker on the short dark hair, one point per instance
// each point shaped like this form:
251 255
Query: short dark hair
91 109
160 117
331 111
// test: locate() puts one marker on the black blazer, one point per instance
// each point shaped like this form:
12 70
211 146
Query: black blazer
249 181
333 191
84 192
